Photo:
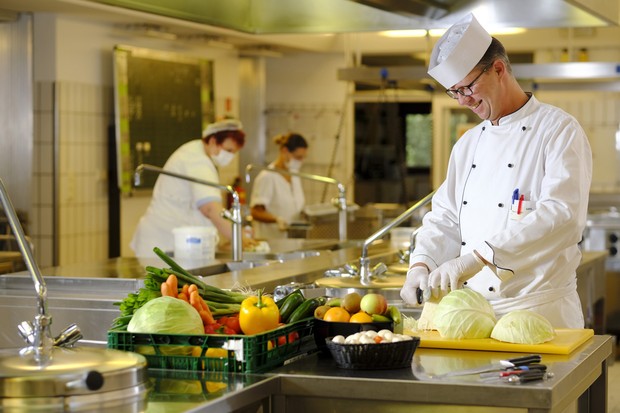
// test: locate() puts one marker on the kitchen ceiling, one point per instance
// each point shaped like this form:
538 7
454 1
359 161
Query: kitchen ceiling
258 21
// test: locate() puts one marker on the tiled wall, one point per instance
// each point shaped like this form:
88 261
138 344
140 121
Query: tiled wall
598 112
70 155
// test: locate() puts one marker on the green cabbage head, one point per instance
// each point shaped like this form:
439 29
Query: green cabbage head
166 315
464 313
523 327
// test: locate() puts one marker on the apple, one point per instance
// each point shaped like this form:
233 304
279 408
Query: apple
374 304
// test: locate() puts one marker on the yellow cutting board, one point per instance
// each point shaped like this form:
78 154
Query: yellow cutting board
565 341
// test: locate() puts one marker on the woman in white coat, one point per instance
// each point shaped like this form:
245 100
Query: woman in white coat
507 220
177 203
278 199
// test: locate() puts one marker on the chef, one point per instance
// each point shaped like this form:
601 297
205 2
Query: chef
278 199
177 203
507 220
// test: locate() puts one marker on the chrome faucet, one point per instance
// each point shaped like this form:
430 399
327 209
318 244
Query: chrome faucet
341 202
233 215
38 333
364 271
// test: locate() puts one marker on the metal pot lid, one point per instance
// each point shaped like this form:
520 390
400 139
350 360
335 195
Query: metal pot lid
71 371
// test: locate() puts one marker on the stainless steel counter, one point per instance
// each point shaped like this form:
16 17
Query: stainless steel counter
315 383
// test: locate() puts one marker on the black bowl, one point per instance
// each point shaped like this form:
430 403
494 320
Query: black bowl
324 329
373 356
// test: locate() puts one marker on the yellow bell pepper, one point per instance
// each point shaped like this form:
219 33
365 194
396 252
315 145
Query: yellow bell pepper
258 313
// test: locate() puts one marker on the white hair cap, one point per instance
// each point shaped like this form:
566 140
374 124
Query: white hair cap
221 126
458 51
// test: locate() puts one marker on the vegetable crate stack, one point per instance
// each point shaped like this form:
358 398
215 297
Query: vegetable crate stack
179 322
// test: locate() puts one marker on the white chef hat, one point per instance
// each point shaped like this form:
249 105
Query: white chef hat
221 126
458 51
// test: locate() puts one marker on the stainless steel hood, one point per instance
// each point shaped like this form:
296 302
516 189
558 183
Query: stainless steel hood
345 16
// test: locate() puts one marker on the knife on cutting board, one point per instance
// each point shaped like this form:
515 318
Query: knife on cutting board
501 365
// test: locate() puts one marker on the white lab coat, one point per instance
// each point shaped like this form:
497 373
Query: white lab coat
281 198
542 151
175 202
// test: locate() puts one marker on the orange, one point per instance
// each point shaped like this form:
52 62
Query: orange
337 314
361 317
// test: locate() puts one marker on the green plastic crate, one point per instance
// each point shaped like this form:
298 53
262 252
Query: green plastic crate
246 354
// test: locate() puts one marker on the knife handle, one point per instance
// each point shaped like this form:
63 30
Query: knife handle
528 367
529 376
525 360
419 294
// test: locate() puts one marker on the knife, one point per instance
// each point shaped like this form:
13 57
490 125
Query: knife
514 371
501 365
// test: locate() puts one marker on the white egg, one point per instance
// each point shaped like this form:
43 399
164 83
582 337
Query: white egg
396 339
386 335
366 340
370 333
338 339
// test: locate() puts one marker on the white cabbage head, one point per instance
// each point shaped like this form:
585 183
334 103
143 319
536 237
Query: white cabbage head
464 313
523 327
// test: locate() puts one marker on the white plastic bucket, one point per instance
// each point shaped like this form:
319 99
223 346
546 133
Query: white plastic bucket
195 242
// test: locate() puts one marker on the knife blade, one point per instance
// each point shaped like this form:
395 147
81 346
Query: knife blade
501 365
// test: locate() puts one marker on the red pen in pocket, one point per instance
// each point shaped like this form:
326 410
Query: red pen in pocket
520 205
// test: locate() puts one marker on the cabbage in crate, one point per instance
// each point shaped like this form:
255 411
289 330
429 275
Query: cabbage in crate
464 313
166 315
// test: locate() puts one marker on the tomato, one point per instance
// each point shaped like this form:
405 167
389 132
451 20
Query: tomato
291 338
212 328
233 324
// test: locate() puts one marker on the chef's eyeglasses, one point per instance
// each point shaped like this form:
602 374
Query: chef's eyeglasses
466 90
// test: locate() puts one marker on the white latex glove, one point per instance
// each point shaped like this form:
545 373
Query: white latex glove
417 277
282 224
451 274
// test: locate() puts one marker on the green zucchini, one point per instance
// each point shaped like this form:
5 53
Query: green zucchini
305 310
290 304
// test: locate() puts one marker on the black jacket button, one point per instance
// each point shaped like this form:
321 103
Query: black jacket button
464 202
491 289
500 205
463 243
510 165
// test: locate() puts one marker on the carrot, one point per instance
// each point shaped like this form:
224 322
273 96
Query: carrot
192 287
185 290
207 318
203 309
183 296
173 285
164 289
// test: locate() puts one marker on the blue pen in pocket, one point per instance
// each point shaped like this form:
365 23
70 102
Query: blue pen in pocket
515 195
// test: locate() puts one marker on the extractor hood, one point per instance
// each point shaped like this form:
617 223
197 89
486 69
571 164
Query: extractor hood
347 16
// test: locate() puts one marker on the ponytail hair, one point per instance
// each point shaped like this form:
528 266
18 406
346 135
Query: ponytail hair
290 141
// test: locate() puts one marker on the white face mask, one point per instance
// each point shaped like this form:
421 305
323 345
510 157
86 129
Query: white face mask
294 165
223 158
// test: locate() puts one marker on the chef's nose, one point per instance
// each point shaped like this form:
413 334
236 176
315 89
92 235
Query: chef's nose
464 100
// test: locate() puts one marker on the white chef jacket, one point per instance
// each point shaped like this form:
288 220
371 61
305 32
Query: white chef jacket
280 198
544 153
175 201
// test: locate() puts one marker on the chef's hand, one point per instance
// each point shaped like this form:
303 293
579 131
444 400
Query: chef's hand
282 224
453 273
417 277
